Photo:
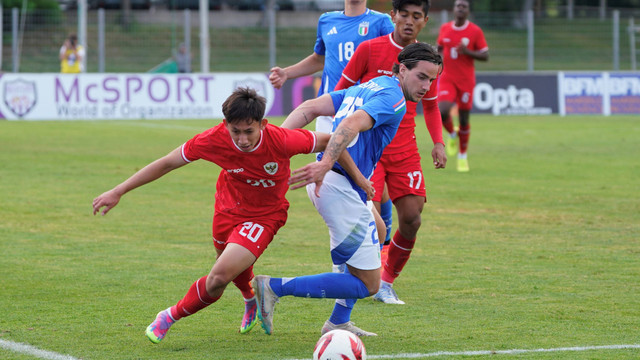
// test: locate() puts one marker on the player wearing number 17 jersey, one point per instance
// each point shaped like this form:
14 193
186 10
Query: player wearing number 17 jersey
366 119
399 165
250 203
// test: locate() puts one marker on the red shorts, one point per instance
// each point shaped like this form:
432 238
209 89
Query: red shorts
402 173
254 234
459 93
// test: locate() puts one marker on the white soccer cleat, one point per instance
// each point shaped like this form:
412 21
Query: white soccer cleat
387 295
266 300
328 326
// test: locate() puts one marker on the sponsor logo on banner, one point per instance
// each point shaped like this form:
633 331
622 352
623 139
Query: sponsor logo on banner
583 93
515 94
20 96
624 92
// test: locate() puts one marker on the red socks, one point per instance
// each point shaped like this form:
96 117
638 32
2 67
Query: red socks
463 135
195 300
448 124
399 253
243 282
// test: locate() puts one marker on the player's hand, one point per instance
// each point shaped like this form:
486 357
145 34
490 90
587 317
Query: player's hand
277 77
107 200
366 185
439 156
310 173
462 48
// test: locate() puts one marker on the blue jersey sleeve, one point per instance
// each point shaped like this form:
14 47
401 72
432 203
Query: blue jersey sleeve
337 97
320 47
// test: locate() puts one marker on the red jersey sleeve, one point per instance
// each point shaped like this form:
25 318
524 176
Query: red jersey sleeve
356 67
299 141
432 117
192 149
481 42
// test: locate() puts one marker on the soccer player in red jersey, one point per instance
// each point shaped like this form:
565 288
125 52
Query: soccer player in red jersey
250 203
460 42
399 165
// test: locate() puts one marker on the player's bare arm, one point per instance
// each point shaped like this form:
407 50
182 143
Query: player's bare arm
149 173
307 66
482 55
308 111
347 130
439 156
346 161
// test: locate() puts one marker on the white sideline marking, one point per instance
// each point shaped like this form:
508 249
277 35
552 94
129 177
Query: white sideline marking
34 351
498 352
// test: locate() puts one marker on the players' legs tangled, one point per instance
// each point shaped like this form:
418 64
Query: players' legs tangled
354 241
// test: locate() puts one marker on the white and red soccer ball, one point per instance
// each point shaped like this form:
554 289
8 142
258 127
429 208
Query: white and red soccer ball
339 345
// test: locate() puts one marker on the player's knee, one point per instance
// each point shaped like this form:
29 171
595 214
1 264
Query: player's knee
411 221
217 281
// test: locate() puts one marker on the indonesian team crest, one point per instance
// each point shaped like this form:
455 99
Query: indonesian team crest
271 167
363 28
20 96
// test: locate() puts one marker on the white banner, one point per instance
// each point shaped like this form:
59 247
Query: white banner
49 96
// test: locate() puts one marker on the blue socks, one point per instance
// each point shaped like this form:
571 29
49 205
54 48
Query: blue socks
342 311
327 285
386 212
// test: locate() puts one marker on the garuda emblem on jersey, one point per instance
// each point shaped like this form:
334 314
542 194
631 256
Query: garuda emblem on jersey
363 28
271 167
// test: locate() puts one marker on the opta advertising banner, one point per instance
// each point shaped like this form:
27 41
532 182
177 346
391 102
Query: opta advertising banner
516 94
123 96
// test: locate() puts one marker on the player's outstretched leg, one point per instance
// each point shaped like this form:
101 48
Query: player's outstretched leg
157 330
266 300
250 318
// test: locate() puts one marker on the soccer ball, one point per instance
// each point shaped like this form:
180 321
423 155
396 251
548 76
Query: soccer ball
339 345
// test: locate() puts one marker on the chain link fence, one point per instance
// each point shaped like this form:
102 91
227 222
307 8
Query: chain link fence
239 40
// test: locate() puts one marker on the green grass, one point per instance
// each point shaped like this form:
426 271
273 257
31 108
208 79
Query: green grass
537 247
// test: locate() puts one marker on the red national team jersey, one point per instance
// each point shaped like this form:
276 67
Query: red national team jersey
250 183
457 67
376 57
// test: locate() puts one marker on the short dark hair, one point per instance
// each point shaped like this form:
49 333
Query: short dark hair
399 4
244 104
419 51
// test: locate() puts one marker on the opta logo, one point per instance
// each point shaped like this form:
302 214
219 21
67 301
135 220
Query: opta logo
20 96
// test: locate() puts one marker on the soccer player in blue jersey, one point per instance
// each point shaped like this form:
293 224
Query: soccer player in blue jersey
338 35
366 118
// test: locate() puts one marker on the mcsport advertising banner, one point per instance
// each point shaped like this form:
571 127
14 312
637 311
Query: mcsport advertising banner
123 96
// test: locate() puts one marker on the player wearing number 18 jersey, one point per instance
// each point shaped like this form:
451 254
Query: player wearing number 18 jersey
338 35
250 203
399 165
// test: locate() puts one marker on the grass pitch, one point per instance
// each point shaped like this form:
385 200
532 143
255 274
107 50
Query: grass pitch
537 247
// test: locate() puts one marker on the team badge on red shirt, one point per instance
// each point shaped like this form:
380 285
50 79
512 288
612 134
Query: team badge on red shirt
271 168
363 29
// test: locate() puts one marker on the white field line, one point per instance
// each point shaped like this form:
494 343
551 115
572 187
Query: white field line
498 352
33 351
